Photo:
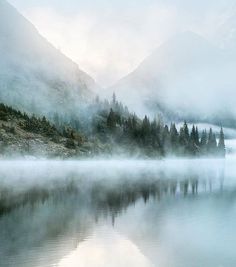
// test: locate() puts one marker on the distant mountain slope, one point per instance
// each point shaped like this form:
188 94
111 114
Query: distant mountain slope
186 77
33 74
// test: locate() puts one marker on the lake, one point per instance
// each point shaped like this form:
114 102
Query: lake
118 213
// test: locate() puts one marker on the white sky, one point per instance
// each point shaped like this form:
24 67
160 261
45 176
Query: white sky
109 38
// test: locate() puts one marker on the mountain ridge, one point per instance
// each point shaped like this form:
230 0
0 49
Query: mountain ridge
175 76
32 68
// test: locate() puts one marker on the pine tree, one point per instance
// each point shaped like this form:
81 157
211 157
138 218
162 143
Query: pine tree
111 119
173 135
166 141
146 127
193 135
203 141
221 143
129 126
186 131
154 127
146 131
114 99
197 137
211 142
134 126
192 142
182 140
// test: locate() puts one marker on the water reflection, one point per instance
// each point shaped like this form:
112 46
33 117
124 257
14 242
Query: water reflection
88 218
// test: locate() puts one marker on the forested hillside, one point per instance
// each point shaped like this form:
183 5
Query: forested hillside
110 129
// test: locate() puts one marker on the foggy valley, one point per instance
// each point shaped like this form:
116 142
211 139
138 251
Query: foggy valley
117 133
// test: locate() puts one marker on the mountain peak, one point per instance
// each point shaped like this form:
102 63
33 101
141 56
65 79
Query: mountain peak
186 42
178 73
183 48
33 71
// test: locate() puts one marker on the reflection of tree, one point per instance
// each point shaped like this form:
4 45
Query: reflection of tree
76 205
113 196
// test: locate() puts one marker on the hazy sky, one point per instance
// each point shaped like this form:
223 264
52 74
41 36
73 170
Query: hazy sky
109 38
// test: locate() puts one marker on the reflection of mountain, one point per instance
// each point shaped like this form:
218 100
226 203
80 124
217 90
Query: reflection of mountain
33 74
97 251
186 77
114 190
62 208
182 231
41 234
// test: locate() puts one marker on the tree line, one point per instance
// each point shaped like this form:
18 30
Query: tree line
111 123
154 137
39 125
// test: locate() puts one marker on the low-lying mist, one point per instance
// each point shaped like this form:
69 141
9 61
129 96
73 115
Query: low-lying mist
45 178
45 203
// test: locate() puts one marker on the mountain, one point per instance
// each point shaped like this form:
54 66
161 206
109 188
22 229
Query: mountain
34 75
185 78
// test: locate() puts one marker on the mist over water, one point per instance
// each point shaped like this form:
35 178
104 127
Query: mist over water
174 212
177 61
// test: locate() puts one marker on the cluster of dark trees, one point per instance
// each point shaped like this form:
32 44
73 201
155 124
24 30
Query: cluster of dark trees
156 138
112 124
39 125
32 123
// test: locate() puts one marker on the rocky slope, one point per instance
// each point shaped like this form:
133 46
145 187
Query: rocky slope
25 136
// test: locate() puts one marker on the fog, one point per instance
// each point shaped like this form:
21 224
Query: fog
34 75
29 172
90 212
176 58
110 39
155 66
187 76
176 70
26 181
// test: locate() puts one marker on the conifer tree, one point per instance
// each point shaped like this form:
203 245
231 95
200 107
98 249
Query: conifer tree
146 125
111 119
192 142
182 137
166 141
203 141
173 135
221 143
155 135
193 134
154 127
186 133
211 142
196 137
134 123
129 125
114 99
146 131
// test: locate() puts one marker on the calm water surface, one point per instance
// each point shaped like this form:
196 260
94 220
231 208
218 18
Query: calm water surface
172 213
